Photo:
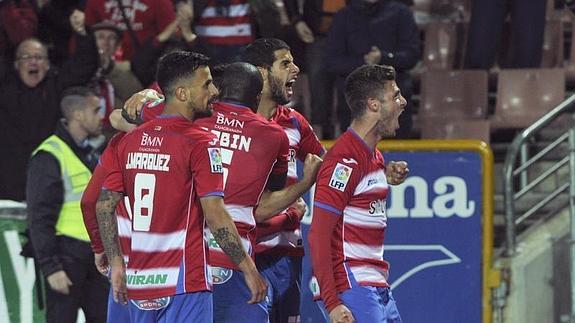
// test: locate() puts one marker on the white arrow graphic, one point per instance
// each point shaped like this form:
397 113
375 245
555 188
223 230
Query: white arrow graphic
450 260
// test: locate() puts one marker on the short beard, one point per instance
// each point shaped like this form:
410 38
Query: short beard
204 113
277 94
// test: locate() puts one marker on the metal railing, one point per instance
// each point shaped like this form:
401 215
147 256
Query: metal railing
517 164
518 183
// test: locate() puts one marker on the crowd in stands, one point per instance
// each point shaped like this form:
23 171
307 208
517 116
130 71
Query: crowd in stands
112 46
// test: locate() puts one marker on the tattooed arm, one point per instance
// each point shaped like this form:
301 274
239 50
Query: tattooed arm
226 235
107 223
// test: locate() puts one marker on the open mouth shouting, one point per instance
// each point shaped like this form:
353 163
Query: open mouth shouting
289 87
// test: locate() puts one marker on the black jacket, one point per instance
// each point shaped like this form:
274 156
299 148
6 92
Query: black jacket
29 115
45 192
389 25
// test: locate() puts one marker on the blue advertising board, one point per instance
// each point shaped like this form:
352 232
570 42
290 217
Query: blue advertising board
433 240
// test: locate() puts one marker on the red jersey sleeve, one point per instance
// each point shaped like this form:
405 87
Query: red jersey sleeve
335 185
152 109
206 165
114 180
287 220
319 238
281 165
309 142
336 182
151 112
88 205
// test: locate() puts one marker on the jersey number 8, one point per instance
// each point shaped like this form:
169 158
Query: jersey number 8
144 188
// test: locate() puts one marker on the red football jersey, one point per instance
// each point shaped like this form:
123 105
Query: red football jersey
165 167
252 148
352 185
302 140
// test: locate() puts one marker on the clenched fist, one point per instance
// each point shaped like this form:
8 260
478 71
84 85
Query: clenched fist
396 172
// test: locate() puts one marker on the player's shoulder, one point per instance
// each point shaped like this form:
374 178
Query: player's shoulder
269 128
115 140
290 118
345 152
200 134
289 112
296 114
156 125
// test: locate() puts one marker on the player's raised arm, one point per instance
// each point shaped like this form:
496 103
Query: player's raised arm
273 203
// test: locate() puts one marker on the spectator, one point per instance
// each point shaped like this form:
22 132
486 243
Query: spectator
140 19
30 104
114 80
374 32
527 30
312 28
60 169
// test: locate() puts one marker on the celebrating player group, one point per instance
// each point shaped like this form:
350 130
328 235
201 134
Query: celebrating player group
194 209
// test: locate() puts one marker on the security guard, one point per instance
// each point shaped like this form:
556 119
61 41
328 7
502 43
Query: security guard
58 173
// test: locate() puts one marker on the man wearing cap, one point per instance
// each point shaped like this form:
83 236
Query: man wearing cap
114 79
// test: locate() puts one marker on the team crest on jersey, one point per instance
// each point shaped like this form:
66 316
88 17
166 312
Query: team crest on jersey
221 275
314 287
152 304
340 177
215 160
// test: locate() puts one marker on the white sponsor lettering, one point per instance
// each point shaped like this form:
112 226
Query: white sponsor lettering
223 120
452 199
150 141
148 161
233 141
377 207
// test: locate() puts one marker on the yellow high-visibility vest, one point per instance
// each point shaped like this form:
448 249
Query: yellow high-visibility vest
75 177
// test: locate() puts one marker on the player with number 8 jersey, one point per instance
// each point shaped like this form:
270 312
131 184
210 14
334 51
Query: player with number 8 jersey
168 251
